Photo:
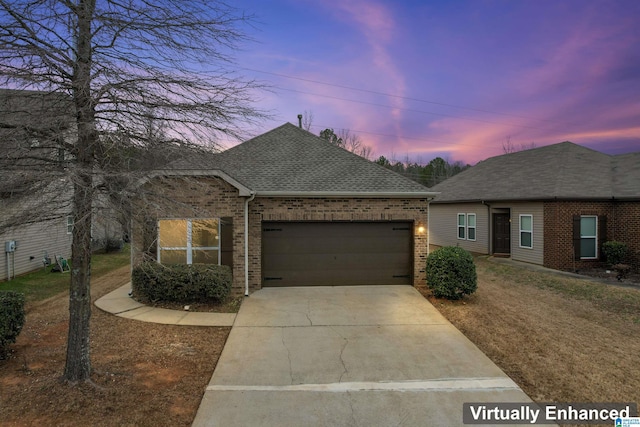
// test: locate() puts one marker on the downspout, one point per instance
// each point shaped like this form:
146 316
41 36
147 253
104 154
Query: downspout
489 231
131 250
246 243
428 226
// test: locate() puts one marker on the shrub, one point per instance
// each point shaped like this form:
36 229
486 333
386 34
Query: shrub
11 318
614 252
451 273
181 283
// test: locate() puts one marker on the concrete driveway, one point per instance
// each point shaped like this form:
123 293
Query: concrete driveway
347 356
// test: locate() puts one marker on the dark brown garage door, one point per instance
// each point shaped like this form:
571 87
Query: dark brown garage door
336 253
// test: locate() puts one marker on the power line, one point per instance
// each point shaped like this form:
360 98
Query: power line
411 110
408 98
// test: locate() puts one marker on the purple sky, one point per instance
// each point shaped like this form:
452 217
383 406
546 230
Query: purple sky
451 78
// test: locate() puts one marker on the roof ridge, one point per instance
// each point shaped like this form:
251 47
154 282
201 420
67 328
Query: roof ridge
290 159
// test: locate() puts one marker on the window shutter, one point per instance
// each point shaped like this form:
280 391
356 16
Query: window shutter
602 234
576 237
226 241
150 237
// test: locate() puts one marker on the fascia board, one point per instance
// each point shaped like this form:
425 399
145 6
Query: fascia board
350 194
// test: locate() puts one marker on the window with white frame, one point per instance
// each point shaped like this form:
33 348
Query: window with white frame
588 237
462 226
189 241
69 224
526 231
471 226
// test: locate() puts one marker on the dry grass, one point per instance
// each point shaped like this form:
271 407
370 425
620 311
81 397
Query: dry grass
561 339
148 374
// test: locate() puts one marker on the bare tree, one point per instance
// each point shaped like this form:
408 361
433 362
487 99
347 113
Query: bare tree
118 65
349 141
307 120
508 146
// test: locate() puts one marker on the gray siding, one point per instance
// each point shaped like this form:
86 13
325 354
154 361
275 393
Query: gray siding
443 226
536 254
33 241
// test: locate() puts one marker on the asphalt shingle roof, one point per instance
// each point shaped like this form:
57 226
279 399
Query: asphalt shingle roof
563 171
288 159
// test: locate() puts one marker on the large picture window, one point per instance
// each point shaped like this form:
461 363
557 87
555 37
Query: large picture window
189 241
589 237
526 231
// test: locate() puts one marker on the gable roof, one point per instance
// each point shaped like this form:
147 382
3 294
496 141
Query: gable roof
289 161
559 171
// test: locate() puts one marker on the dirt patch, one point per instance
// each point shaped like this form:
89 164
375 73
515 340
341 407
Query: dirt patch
610 277
145 374
560 339
557 337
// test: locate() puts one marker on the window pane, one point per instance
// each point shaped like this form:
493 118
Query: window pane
525 239
525 223
588 226
205 256
173 233
587 248
461 232
204 233
173 257
472 220
472 234
461 219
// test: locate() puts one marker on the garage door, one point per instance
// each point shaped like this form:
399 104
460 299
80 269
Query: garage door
336 253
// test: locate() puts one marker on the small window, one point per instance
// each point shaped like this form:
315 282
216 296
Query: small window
461 226
189 241
589 237
69 224
471 226
526 231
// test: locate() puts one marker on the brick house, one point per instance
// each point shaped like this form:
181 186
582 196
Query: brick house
287 208
553 206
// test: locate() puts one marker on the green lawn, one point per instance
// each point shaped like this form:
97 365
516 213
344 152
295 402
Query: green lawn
40 284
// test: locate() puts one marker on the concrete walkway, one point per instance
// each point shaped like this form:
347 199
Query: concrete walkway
121 304
347 356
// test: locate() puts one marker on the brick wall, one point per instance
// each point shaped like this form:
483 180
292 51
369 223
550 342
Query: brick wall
209 197
623 224
338 209
627 229
182 197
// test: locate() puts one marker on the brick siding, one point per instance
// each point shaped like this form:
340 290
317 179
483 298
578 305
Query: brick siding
627 229
623 224
207 197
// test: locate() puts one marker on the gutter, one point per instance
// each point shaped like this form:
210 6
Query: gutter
428 225
489 231
246 242
351 194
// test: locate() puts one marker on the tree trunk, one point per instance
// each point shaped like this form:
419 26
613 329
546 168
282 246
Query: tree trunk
78 365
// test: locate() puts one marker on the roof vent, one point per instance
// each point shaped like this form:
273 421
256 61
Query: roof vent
300 121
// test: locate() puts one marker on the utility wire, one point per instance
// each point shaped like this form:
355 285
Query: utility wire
412 110
408 98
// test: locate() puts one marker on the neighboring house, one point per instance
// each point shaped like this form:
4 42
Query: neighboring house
34 126
287 208
36 136
554 206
